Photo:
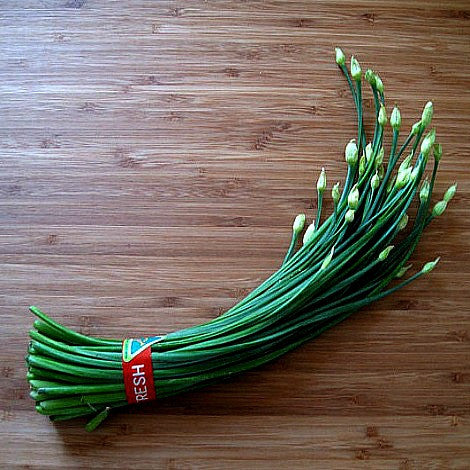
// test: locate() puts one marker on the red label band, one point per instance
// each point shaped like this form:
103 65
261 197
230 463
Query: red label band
138 374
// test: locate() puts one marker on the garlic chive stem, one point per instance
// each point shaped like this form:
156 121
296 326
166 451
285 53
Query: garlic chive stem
319 208
377 109
361 138
292 245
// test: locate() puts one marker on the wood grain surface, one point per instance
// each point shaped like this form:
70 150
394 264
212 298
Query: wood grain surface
153 157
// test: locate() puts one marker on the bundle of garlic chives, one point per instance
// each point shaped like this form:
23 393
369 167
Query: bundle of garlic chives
346 262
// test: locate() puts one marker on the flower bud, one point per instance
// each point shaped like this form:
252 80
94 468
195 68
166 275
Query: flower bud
426 117
380 157
405 164
395 119
370 77
321 182
353 198
362 164
356 72
439 208
384 253
351 152
428 267
381 172
328 259
309 233
368 152
403 177
375 181
450 193
335 193
402 271
415 173
416 128
382 119
403 222
298 224
349 217
340 57
379 84
437 151
424 193
428 142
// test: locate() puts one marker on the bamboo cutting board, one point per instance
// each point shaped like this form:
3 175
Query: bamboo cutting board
153 157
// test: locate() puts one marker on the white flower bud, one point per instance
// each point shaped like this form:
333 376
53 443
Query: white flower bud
415 173
426 117
298 224
370 77
403 222
321 182
395 118
428 142
340 57
328 259
405 164
309 233
368 152
439 208
401 272
353 198
382 119
379 84
362 164
416 128
349 217
403 177
428 267
384 253
381 172
350 152
335 193
356 72
375 181
380 157
424 193
450 193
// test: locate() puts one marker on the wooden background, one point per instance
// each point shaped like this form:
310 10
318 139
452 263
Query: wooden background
153 156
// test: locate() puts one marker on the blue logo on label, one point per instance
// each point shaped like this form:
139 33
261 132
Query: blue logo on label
132 347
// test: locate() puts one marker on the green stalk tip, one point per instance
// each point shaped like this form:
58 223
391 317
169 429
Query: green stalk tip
382 119
335 194
379 84
349 216
353 198
384 253
97 420
450 193
439 208
321 182
395 119
298 224
427 114
340 57
437 151
350 152
328 259
309 233
428 142
428 267
356 71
